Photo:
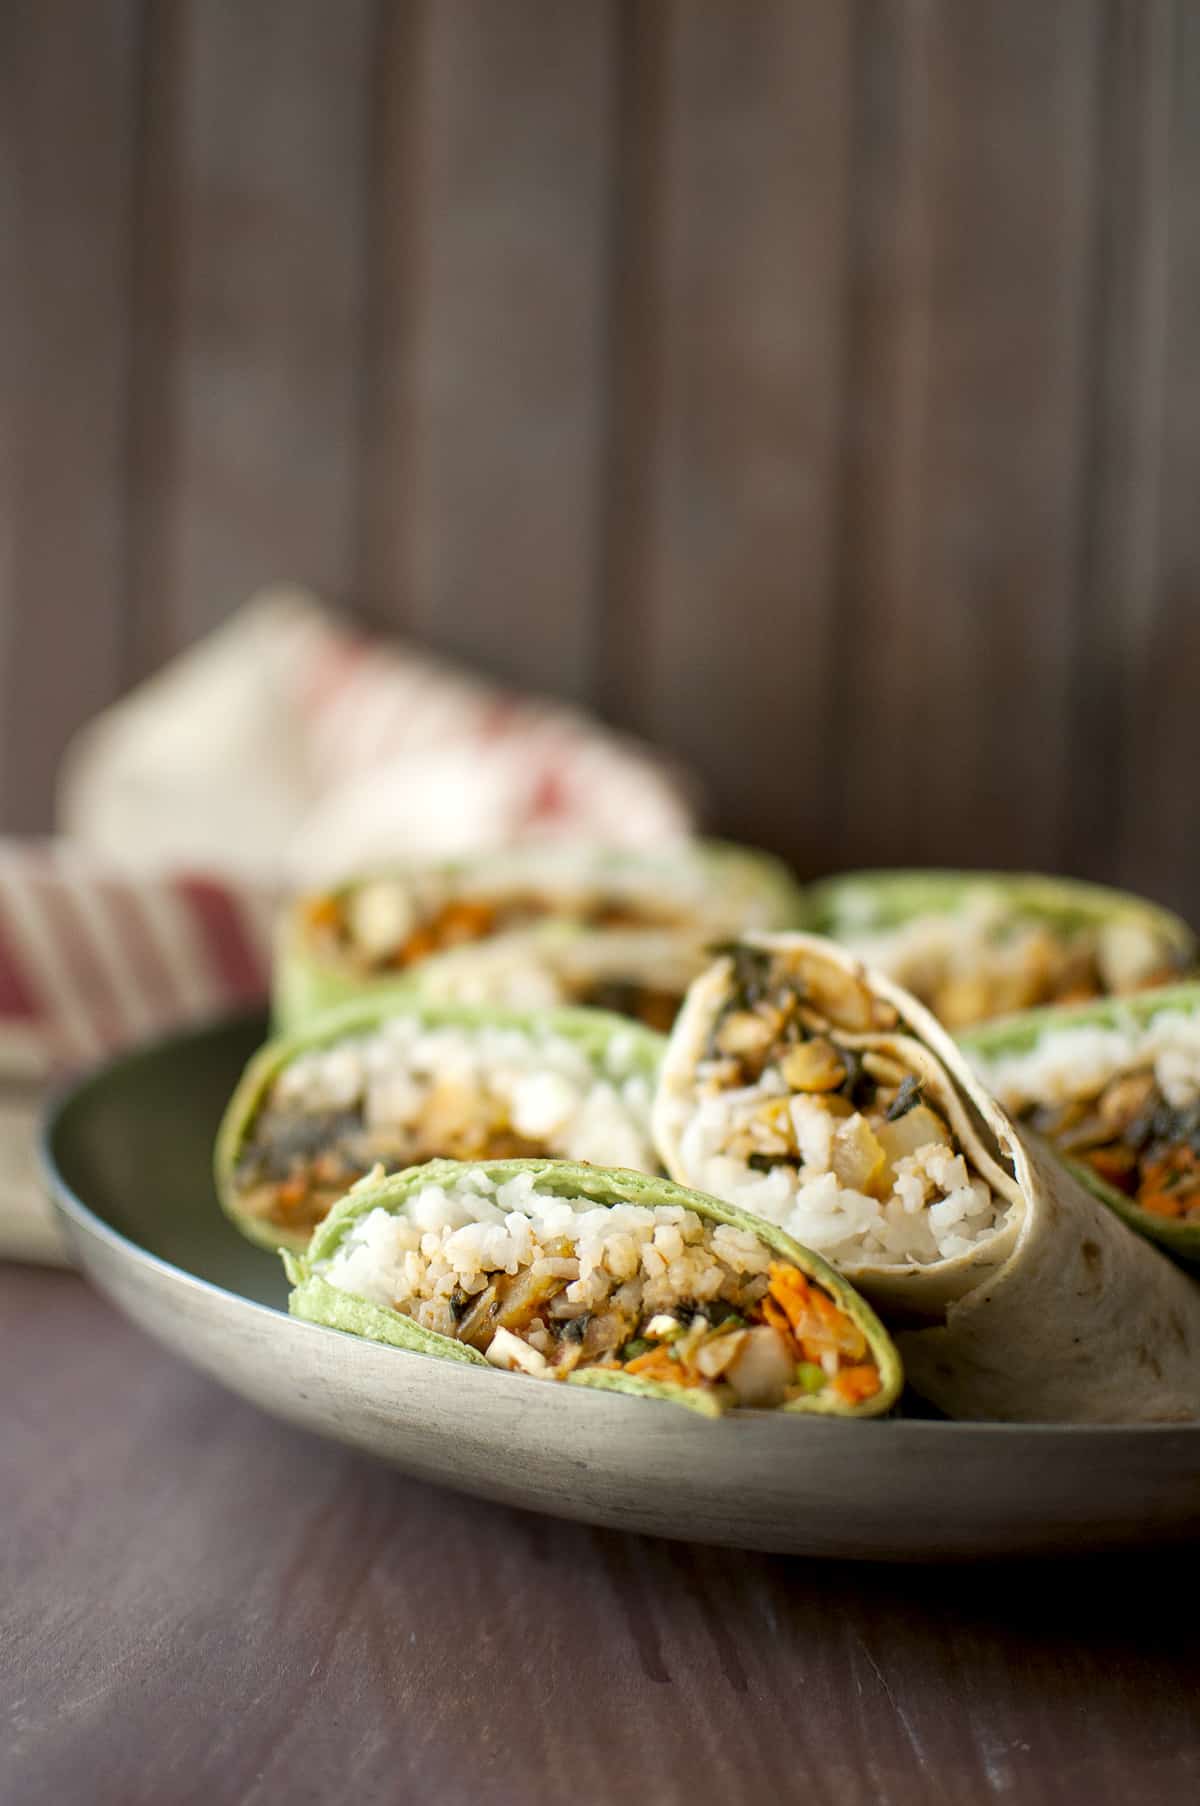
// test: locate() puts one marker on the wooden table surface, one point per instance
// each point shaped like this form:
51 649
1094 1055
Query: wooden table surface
200 1604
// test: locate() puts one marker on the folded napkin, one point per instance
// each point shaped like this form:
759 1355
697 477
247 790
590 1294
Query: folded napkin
285 749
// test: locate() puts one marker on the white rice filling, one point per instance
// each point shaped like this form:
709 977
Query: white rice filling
457 1238
937 1209
1071 1065
542 1084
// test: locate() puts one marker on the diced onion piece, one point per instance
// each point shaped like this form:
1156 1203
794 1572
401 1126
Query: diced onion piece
380 917
915 1129
762 1370
813 1066
838 995
859 1162
713 1357
507 1350
742 1032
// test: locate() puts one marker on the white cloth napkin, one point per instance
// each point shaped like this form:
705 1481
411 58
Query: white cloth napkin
285 749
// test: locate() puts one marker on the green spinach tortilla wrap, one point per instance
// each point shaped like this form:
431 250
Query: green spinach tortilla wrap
820 1097
395 1080
532 927
976 945
1114 1087
600 1278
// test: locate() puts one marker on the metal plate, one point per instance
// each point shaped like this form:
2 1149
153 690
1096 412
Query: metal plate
127 1155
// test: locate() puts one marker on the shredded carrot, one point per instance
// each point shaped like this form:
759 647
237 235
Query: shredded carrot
418 946
1170 1187
656 1364
463 922
1161 1203
855 1384
291 1194
1115 1163
777 1317
816 1321
324 912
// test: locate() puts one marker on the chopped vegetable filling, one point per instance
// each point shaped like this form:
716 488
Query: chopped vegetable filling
805 1107
990 959
1135 1140
379 925
550 1287
408 1093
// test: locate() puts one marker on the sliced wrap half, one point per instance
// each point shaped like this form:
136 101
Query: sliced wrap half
972 946
532 927
817 1095
395 1079
598 1277
1114 1088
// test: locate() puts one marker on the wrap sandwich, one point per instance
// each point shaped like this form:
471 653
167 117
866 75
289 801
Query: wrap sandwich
394 1080
820 1097
532 927
598 1277
1114 1087
975 945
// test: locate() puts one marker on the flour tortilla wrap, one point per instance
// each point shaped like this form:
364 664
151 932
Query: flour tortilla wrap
351 1248
976 945
1013 1293
1114 1089
531 927
394 1078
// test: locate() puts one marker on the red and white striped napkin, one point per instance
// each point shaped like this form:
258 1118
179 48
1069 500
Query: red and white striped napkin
285 749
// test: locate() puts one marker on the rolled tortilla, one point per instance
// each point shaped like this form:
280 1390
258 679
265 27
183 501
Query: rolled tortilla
532 927
602 1278
972 946
817 1095
1114 1088
395 1079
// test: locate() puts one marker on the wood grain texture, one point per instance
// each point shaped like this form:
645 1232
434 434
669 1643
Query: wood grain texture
725 450
1161 623
807 385
972 284
202 1605
67 87
490 547
253 278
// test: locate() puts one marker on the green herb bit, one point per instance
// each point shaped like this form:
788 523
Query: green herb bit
631 1350
906 1099
810 1377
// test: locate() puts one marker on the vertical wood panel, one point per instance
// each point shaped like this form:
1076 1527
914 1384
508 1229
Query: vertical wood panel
1118 517
486 538
258 395
977 316
67 78
885 659
810 385
1161 788
725 458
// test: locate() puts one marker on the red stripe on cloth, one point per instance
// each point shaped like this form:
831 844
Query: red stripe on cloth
19 1000
232 954
499 719
551 798
334 664
93 990
150 971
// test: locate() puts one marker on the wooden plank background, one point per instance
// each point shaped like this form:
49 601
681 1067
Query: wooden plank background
810 386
